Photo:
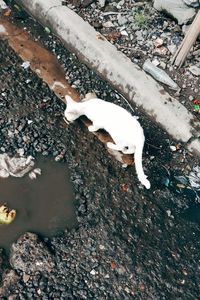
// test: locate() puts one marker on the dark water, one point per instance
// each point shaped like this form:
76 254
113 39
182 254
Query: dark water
44 205
192 214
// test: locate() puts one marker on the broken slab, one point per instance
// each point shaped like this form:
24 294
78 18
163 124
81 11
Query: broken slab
178 10
127 78
193 3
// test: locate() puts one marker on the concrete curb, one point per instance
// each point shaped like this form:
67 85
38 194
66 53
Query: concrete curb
96 52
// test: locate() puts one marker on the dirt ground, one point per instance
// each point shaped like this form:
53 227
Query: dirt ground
129 243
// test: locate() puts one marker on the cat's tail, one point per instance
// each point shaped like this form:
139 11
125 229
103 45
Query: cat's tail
138 166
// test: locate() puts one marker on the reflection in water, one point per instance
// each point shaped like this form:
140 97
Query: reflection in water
44 205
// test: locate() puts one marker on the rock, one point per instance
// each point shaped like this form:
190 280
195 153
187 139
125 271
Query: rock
155 62
108 24
177 9
30 255
172 48
110 8
185 29
102 2
86 3
97 25
195 70
122 20
10 279
161 51
158 42
139 35
193 3
173 148
191 98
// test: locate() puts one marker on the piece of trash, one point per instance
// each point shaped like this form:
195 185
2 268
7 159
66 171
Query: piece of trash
26 64
196 105
47 30
194 178
7 216
182 179
33 174
59 157
181 186
159 74
15 166
29 122
17 7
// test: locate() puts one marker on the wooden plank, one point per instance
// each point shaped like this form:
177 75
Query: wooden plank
188 41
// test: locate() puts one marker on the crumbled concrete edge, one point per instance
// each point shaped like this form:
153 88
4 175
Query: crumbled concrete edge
96 52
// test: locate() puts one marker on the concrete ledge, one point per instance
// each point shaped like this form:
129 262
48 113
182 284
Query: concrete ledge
96 52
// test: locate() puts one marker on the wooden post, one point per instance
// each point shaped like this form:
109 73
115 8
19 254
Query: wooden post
189 39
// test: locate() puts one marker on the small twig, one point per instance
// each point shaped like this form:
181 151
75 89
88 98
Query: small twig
153 146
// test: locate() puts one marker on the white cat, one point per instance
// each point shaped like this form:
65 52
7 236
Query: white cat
125 130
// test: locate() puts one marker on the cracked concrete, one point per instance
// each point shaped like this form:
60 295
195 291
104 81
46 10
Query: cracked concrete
127 78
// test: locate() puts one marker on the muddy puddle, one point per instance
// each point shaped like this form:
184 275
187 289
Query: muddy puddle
44 205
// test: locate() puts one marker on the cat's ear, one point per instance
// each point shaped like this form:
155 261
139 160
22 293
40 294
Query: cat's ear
68 99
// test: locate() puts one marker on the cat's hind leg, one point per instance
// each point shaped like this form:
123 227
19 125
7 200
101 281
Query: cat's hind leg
114 146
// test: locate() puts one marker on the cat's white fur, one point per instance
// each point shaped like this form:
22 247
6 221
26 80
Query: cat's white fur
125 130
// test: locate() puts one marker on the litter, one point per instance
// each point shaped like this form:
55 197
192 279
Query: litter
196 105
159 74
33 174
25 65
194 178
15 166
6 215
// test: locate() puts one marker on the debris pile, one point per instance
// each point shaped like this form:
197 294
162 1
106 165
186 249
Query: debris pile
17 166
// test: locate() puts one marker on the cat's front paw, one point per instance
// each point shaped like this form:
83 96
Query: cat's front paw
92 128
66 121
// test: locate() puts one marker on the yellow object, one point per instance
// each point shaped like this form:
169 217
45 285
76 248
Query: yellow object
6 215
